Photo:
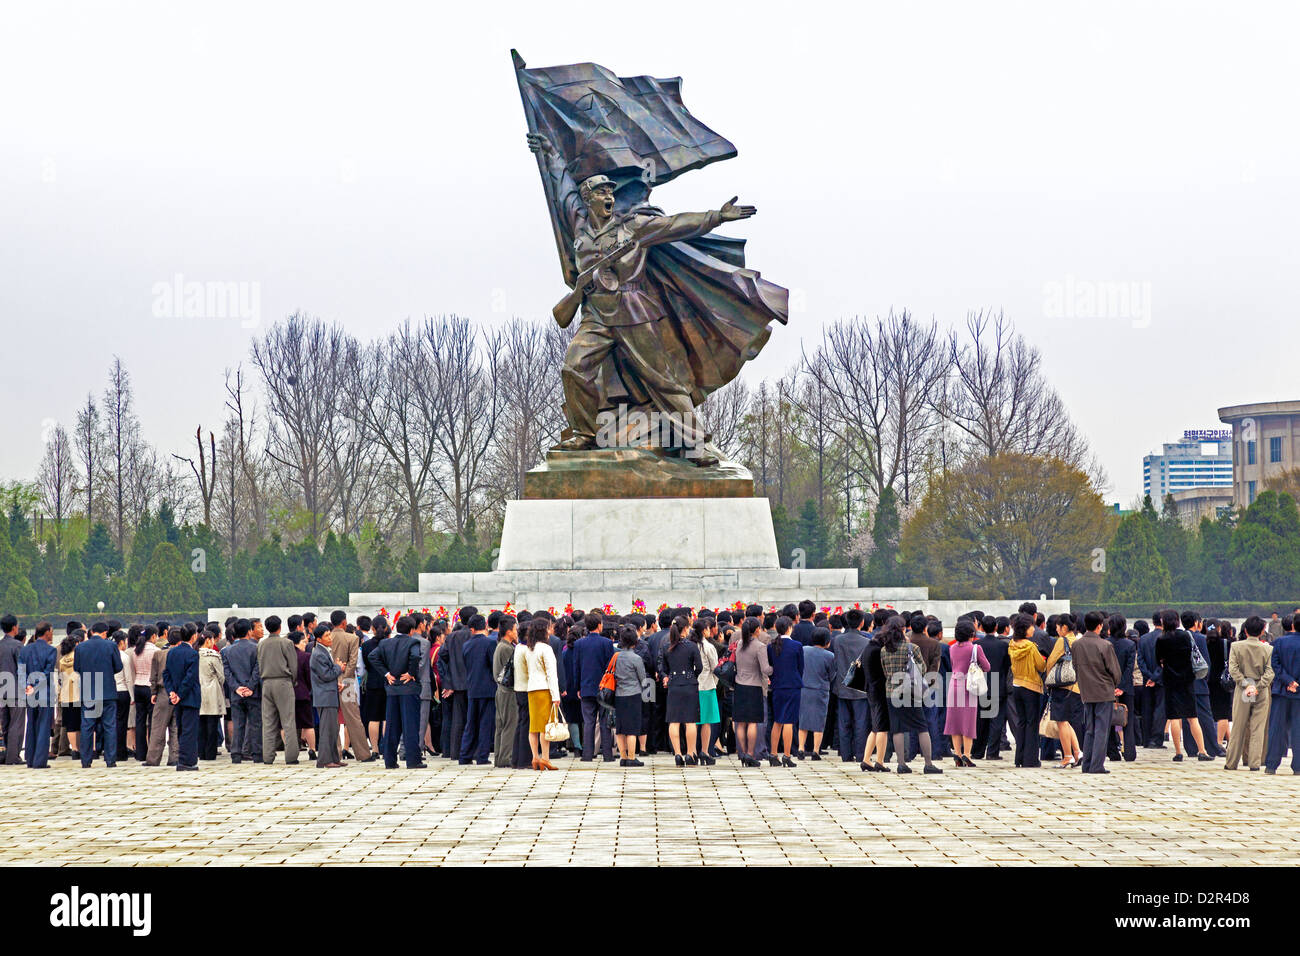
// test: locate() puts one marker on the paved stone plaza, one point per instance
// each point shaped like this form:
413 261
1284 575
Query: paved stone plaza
1152 812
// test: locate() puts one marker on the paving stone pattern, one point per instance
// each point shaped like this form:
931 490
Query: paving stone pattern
1152 812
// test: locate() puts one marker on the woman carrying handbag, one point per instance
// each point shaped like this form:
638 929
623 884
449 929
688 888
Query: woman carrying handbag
535 669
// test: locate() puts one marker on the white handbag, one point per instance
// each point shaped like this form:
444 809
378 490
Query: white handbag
977 684
557 728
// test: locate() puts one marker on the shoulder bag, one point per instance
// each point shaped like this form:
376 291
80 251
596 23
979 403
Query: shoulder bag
1062 673
977 684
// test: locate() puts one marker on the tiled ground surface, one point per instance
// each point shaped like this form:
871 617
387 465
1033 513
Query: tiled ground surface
1151 812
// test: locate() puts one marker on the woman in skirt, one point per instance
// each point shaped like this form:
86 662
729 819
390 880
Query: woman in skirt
629 688
877 749
818 672
680 664
786 658
906 713
752 670
702 630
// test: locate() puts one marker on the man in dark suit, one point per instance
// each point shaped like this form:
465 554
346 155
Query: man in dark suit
802 632
455 698
847 646
239 661
398 659
1284 713
96 660
181 682
1125 655
988 730
37 664
481 691
13 715
593 654
1153 698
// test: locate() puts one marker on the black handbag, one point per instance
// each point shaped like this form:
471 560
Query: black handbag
725 672
1225 679
855 678
507 676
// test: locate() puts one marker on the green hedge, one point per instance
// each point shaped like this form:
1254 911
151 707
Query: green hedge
1207 609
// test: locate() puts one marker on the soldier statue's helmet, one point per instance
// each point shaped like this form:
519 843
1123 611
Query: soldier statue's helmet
591 183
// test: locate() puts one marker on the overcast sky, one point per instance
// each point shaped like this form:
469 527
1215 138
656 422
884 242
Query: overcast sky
366 163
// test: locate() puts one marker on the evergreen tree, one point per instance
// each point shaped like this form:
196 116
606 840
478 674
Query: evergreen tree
148 535
13 569
1135 570
72 595
47 576
784 528
19 526
353 578
811 533
1175 545
410 569
266 581
19 597
385 575
97 590
884 569
1265 550
167 583
167 524
211 575
302 571
101 550
1211 569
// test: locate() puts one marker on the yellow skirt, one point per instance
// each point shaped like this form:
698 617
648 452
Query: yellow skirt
539 710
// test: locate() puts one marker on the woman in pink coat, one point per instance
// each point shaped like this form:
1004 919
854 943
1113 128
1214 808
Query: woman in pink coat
963 707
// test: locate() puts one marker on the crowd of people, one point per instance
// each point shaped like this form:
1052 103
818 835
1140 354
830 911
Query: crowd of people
762 685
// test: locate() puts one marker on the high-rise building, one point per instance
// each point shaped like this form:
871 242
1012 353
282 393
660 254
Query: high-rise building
1202 459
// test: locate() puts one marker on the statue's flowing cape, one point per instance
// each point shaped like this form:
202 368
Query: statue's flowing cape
637 131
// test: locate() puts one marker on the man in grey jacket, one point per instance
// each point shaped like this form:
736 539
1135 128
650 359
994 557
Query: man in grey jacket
239 661
13 715
277 665
851 706
1098 676
325 686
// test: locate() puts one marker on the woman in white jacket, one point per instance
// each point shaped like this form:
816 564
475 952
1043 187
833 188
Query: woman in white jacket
535 671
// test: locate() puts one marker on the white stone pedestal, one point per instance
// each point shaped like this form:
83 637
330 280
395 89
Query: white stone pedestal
701 552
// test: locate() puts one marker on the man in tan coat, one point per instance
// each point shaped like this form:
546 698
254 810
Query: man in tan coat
1250 662
345 648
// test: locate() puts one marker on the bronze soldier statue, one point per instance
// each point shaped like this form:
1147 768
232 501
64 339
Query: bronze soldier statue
623 321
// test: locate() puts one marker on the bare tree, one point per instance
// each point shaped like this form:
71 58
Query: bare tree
241 428
294 358
205 472
466 406
530 417
354 464
57 480
1000 400
89 439
130 465
881 381
723 413
398 419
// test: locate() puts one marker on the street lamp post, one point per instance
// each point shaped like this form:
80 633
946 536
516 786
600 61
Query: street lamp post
1052 582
